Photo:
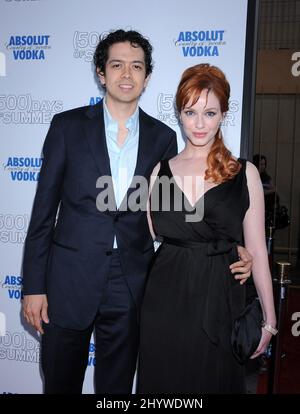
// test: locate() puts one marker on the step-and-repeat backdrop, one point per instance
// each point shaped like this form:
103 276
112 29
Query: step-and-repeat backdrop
46 50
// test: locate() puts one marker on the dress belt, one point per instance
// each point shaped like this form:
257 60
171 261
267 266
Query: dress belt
222 281
214 247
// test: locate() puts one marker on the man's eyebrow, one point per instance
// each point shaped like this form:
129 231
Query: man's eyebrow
120 60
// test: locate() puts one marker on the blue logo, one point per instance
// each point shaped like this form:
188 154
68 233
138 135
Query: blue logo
200 43
13 284
95 99
92 358
23 168
29 47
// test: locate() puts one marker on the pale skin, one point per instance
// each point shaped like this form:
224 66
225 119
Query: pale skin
124 79
200 123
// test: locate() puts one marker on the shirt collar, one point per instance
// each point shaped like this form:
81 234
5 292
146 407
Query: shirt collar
111 125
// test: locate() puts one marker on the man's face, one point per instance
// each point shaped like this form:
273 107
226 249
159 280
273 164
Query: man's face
125 73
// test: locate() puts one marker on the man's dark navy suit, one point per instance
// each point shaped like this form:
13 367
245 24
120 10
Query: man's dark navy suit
68 249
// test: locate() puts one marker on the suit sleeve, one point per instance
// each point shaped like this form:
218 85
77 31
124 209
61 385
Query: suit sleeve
172 148
45 206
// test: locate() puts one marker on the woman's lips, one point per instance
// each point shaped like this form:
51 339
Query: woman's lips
199 134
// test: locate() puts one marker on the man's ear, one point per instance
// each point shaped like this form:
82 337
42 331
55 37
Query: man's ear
146 81
101 76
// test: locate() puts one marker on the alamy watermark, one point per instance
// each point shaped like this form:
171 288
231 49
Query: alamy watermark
296 325
167 194
296 66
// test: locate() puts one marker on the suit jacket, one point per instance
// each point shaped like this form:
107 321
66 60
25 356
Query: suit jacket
68 245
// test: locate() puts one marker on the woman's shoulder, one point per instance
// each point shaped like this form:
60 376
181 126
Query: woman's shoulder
247 165
252 173
251 168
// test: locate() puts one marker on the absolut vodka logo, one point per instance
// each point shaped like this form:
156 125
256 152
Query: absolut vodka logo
197 43
13 286
23 168
29 47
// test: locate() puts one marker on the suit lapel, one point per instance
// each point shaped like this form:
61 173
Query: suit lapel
95 134
144 151
145 143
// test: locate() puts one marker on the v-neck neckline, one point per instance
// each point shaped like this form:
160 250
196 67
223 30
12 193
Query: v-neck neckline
193 206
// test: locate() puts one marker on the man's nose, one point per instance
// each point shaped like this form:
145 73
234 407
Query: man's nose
126 71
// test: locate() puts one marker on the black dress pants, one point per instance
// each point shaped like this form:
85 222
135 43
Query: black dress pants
65 351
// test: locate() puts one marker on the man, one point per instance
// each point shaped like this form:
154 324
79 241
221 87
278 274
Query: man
86 270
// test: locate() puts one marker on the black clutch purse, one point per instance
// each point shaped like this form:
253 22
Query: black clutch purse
246 331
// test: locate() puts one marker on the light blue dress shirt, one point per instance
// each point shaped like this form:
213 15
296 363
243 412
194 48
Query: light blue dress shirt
122 159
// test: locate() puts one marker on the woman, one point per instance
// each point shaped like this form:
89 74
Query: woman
190 299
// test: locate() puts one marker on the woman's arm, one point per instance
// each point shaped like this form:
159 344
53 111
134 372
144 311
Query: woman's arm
254 236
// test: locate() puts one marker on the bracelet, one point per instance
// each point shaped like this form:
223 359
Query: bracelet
269 328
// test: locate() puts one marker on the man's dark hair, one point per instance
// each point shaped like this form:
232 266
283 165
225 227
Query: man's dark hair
135 39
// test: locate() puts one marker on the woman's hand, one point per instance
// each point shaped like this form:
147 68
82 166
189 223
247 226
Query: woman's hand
263 344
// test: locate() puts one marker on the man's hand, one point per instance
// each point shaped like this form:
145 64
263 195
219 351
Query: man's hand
35 309
243 266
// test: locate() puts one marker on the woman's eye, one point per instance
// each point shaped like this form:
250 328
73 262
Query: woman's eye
210 114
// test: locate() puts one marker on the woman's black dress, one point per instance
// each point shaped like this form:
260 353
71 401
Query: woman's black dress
191 296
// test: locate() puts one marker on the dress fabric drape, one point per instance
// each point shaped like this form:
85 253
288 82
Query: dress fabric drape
191 297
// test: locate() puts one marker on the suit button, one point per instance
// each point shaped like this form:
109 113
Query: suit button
116 218
108 253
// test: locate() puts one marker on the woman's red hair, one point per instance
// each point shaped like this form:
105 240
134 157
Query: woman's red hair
221 166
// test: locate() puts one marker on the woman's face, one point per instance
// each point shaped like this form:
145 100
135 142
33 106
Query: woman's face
202 120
